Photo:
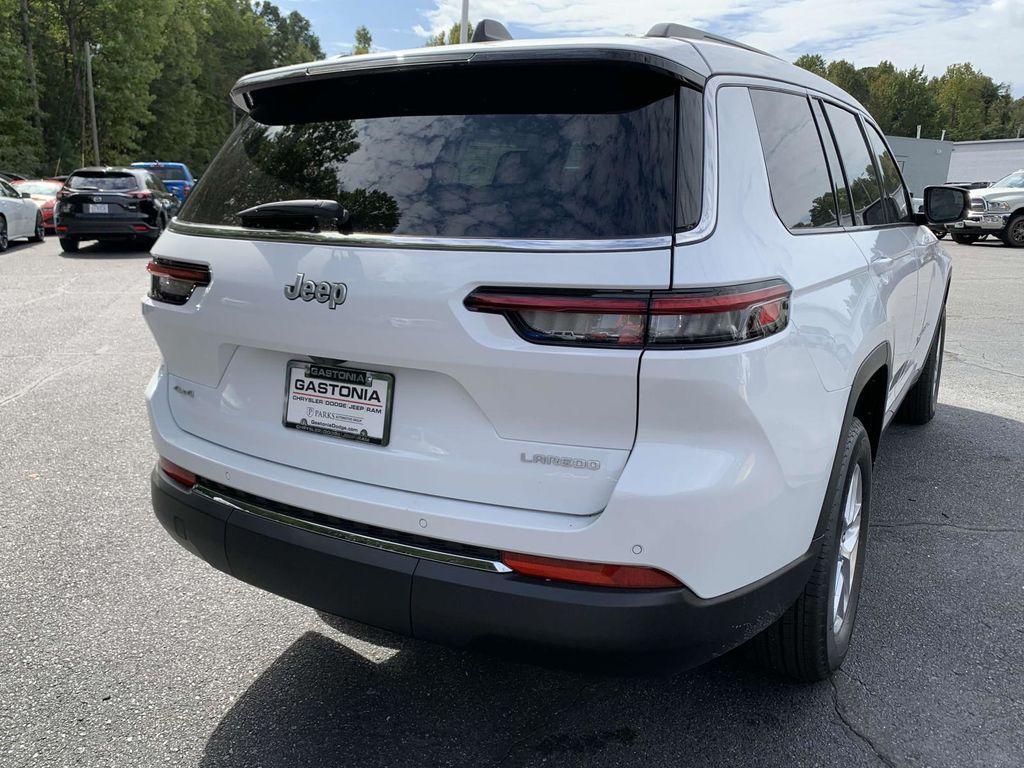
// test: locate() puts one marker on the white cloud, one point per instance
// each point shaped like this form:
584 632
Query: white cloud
930 33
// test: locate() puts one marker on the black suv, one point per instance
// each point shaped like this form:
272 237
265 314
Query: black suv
112 204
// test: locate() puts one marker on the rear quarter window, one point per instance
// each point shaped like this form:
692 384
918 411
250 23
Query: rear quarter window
801 188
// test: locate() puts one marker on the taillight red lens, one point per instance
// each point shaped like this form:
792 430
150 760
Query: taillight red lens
174 281
593 319
688 318
594 574
141 194
176 473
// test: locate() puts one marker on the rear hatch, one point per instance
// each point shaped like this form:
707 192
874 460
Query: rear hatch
103 195
567 185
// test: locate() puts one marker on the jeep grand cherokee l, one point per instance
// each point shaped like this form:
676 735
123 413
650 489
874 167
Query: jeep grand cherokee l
582 343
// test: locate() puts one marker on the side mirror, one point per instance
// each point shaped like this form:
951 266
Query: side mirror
944 205
26 195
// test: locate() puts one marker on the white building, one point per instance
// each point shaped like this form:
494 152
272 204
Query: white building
985 160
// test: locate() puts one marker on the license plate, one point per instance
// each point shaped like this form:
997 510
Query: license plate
957 225
96 208
350 403
992 219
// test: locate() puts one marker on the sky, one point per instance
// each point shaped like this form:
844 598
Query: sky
930 33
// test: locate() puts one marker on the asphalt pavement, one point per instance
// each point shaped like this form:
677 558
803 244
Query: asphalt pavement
118 648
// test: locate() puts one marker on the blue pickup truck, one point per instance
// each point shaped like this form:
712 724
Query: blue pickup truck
176 177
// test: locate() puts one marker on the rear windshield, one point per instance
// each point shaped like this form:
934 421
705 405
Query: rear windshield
166 173
104 182
515 167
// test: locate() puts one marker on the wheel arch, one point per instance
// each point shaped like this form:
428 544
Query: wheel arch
867 402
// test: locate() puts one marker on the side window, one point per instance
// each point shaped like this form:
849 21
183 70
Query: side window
892 184
801 188
835 169
6 190
690 174
861 174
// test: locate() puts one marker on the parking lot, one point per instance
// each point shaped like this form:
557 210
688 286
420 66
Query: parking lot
118 648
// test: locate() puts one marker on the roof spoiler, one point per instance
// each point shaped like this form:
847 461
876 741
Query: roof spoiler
490 31
682 32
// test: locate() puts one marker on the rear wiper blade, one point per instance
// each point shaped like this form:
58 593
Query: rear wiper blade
296 215
91 189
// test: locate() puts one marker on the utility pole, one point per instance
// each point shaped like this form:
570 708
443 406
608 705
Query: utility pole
92 102
464 25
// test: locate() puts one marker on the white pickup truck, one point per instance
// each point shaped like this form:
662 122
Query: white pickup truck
997 210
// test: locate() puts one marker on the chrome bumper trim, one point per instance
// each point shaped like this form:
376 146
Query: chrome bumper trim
450 558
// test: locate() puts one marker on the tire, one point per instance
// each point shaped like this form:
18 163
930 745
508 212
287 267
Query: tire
919 404
40 231
964 239
1014 234
811 639
4 239
69 245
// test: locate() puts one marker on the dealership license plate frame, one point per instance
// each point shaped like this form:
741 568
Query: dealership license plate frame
340 373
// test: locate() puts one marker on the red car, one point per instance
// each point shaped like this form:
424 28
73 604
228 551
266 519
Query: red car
44 194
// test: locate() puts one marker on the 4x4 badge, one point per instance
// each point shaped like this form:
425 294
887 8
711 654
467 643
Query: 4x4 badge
331 294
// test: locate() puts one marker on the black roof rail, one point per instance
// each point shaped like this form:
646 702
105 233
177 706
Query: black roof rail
682 32
490 31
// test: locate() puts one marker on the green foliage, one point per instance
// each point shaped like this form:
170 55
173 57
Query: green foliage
20 141
451 37
162 76
364 41
964 102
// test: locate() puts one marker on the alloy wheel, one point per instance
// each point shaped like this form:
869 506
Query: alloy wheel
1016 232
849 548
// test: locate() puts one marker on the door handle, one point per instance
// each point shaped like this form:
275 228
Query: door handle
882 261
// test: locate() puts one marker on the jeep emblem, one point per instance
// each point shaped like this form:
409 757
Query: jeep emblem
324 292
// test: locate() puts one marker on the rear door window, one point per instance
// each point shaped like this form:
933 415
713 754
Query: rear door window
800 184
576 156
861 173
896 204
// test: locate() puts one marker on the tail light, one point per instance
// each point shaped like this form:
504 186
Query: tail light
593 574
185 190
64 192
141 194
705 317
174 281
176 473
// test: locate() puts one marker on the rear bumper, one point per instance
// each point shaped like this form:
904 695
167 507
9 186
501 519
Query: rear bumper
453 604
90 228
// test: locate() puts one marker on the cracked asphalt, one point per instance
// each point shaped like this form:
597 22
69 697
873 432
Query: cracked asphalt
118 648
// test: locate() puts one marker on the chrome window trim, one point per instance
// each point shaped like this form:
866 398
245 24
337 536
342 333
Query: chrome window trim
369 240
450 558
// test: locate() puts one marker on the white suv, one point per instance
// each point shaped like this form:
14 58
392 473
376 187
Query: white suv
583 343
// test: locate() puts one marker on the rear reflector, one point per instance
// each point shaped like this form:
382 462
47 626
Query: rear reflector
174 281
140 227
704 317
176 473
594 574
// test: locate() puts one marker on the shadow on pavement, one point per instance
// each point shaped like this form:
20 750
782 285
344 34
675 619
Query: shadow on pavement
909 690
96 251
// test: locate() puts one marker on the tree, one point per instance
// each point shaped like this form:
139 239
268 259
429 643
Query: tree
364 41
964 97
849 78
901 100
452 37
20 138
812 62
